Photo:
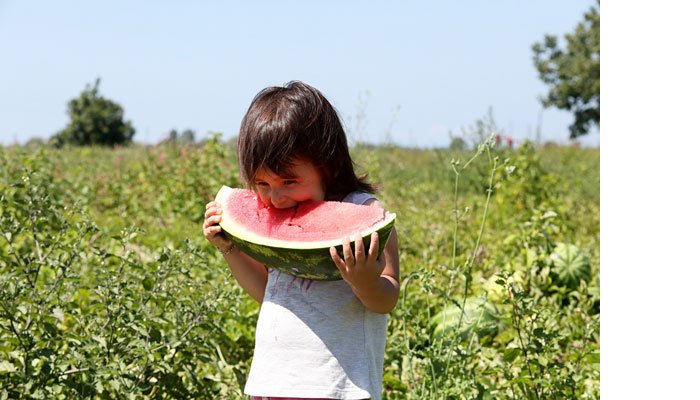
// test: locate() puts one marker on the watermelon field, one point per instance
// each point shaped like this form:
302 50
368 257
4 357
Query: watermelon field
108 289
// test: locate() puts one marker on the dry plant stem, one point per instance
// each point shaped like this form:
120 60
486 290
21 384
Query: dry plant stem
517 319
456 215
470 262
408 345
74 371
405 334
447 293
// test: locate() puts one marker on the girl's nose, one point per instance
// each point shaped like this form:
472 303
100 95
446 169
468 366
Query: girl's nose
276 198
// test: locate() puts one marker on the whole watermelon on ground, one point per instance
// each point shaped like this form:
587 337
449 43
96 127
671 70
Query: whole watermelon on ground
480 317
297 240
570 265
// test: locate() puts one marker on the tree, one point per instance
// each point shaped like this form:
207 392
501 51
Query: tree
573 74
457 143
172 136
187 136
94 120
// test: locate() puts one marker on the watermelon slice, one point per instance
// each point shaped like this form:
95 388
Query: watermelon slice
297 240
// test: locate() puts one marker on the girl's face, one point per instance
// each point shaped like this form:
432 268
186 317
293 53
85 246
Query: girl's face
304 183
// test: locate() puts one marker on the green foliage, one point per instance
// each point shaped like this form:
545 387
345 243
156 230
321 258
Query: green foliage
109 290
573 74
546 345
89 311
94 120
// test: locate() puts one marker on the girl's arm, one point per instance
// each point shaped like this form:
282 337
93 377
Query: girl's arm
373 277
250 274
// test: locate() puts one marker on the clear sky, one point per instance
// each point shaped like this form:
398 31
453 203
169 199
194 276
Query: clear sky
405 71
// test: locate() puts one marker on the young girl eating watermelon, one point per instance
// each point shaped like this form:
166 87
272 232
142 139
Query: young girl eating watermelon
326 340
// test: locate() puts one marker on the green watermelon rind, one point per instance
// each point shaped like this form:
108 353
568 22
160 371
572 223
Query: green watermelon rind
309 260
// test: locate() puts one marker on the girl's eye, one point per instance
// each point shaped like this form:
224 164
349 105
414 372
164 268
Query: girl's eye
288 182
264 184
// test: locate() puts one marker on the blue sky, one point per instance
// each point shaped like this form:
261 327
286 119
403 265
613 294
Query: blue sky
405 71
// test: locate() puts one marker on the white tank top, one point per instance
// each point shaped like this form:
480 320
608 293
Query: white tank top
316 339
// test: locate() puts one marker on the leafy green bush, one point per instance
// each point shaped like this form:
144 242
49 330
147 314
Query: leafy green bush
108 289
88 314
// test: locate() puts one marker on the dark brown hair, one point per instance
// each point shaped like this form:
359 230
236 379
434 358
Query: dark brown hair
296 122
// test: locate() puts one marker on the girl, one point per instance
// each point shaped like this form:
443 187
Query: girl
314 339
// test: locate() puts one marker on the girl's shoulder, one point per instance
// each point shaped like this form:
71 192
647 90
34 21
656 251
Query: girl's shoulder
358 197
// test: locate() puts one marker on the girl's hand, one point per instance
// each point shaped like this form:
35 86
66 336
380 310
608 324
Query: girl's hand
212 230
360 271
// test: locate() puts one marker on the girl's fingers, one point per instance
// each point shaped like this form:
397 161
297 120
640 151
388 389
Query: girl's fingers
212 220
212 228
213 207
359 250
211 231
212 211
337 260
347 253
373 246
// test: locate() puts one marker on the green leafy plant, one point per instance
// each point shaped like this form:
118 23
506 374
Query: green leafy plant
108 289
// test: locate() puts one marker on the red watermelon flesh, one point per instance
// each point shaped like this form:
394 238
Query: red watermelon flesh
310 221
